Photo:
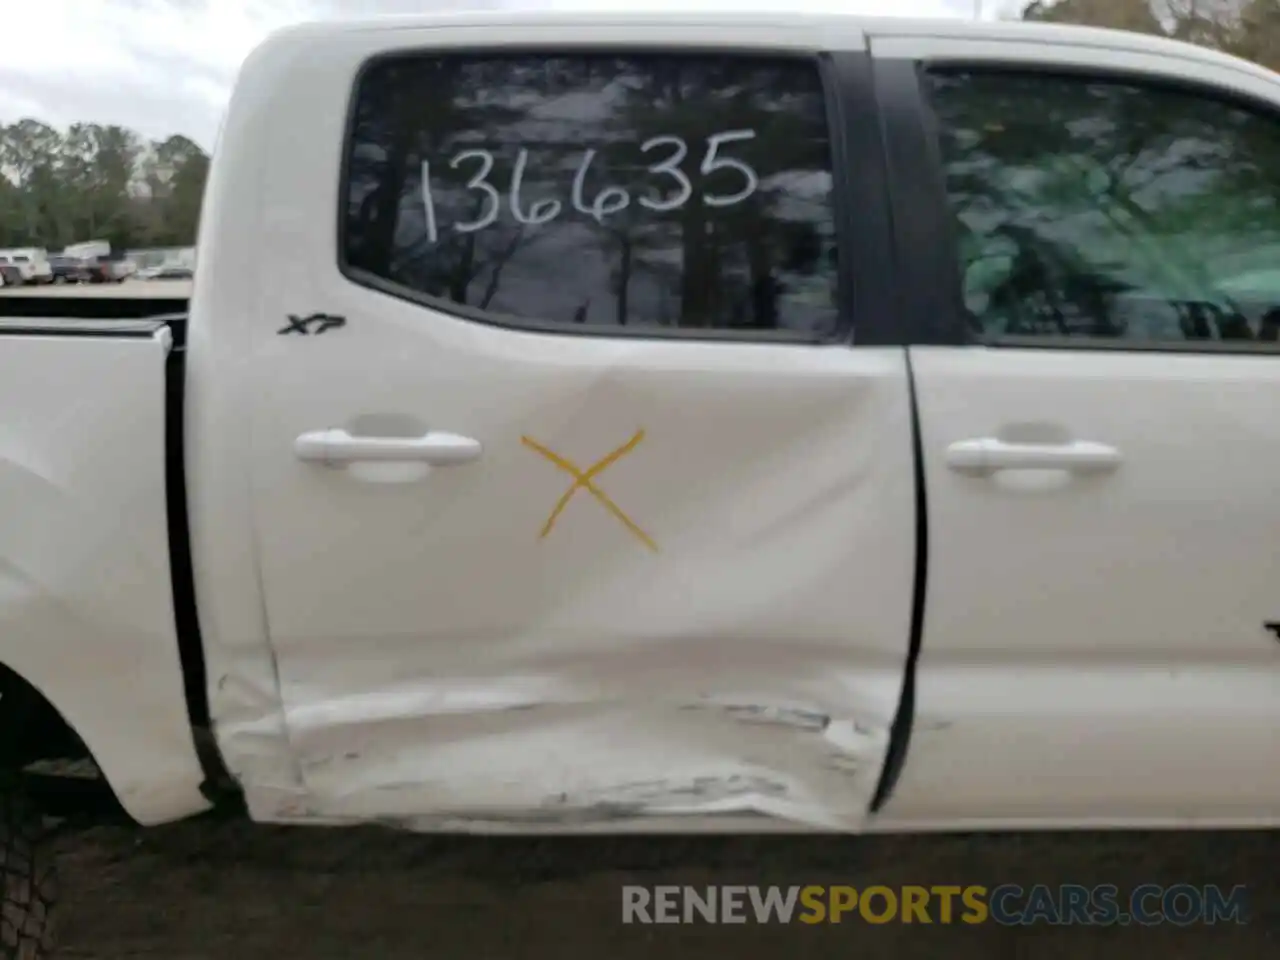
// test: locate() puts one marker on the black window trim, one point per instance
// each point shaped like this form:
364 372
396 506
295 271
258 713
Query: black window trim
864 263
919 200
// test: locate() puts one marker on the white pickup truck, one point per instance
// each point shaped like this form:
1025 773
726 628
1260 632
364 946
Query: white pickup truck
635 422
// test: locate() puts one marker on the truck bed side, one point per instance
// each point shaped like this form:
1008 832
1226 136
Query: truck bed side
86 598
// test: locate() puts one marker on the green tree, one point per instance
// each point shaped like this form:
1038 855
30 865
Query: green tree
1256 34
1245 28
1135 15
29 155
97 182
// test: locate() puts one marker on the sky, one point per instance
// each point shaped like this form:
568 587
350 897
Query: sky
167 66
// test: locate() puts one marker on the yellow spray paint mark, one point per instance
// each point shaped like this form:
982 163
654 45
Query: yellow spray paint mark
584 480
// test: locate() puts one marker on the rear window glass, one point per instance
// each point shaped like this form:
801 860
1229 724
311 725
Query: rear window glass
650 190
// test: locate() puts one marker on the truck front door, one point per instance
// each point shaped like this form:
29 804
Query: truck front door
1100 439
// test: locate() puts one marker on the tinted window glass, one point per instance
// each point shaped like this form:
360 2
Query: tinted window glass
1105 209
648 191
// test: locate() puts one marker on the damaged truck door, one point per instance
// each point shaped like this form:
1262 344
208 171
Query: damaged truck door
597 506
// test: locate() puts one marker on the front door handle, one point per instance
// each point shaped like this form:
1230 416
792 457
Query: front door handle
336 447
988 455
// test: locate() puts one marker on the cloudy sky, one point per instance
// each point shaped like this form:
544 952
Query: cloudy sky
166 66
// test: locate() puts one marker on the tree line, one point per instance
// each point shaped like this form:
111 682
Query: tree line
1245 28
97 182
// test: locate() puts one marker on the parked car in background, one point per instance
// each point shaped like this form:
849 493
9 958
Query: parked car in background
103 270
69 270
167 272
15 274
35 266
102 264
117 268
41 267
22 270
32 263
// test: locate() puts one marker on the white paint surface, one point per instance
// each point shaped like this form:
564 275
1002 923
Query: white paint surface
86 612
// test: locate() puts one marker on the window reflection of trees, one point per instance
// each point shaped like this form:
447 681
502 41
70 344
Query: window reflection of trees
767 262
1111 210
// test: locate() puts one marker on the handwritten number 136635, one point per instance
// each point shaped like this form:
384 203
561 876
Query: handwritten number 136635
608 201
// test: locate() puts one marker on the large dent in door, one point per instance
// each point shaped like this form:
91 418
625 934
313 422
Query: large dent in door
252 736
520 752
556 766
749 671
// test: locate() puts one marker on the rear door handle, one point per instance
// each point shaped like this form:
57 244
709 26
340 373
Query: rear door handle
988 455
337 447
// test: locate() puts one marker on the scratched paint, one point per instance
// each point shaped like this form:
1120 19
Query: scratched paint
561 765
531 754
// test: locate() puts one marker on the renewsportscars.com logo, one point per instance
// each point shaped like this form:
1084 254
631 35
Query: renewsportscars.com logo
1181 904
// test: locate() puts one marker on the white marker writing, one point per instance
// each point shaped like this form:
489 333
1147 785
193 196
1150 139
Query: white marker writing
711 163
609 200
478 182
671 167
542 210
429 203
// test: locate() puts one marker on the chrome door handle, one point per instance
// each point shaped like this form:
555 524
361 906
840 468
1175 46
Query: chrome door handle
336 447
988 455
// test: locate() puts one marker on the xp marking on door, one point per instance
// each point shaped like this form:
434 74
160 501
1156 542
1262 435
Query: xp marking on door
584 481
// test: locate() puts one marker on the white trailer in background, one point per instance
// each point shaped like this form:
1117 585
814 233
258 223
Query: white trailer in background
89 250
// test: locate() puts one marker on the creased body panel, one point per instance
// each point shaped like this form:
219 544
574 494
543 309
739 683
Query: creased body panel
483 645
443 662
86 609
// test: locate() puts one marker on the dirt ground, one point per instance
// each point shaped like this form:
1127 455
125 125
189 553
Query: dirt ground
231 891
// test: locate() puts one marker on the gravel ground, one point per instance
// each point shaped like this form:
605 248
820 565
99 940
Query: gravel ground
200 891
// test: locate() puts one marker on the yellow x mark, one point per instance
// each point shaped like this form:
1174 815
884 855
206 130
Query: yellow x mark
583 480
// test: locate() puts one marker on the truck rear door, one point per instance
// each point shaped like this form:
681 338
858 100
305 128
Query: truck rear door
1097 385
583 470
